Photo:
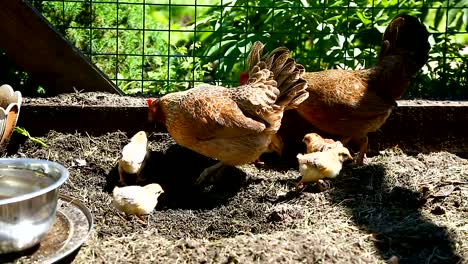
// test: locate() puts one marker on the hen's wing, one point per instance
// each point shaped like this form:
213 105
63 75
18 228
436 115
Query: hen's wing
257 99
212 113
284 70
275 84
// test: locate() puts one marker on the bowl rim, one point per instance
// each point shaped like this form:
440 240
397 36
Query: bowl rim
27 196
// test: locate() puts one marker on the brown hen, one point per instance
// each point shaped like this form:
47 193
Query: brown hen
349 104
234 125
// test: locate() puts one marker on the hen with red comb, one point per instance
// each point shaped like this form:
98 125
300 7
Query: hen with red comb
234 125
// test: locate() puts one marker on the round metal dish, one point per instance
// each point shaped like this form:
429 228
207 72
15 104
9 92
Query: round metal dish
70 230
28 202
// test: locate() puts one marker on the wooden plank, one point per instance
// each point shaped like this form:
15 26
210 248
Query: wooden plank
31 42
415 129
424 129
96 120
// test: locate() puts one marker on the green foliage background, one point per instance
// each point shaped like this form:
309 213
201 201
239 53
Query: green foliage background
341 34
166 46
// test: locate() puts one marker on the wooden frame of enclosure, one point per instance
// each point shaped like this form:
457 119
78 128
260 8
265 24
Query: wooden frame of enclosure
415 128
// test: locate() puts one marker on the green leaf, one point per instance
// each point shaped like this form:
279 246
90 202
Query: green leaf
439 16
363 18
25 133
465 19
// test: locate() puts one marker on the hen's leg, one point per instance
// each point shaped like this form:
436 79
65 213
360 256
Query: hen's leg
362 150
208 173
345 141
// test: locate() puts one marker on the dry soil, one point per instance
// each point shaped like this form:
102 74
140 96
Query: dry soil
411 209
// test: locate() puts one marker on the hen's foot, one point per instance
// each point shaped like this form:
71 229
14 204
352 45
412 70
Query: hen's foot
209 174
259 162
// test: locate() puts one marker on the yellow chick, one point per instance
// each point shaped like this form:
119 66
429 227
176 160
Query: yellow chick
137 200
318 165
133 157
314 143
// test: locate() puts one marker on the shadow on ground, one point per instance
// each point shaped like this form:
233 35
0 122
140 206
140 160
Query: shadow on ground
176 170
393 217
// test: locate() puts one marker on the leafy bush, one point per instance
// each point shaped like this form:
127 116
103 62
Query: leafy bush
338 34
131 43
167 46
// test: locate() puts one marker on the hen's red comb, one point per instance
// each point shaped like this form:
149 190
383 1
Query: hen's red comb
149 101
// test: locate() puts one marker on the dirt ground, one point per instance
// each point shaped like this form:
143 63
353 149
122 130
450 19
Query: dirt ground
411 209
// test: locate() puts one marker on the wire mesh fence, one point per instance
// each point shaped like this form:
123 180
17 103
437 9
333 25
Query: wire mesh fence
157 46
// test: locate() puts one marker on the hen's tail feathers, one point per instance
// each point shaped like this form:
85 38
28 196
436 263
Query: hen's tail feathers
407 36
285 71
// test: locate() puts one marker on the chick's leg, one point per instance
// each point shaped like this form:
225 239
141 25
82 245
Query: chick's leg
323 185
139 176
141 219
208 172
121 176
299 185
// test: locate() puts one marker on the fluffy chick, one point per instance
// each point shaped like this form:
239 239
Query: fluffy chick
133 159
137 200
318 165
314 143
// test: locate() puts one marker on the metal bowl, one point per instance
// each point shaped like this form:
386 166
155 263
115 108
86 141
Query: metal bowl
28 201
